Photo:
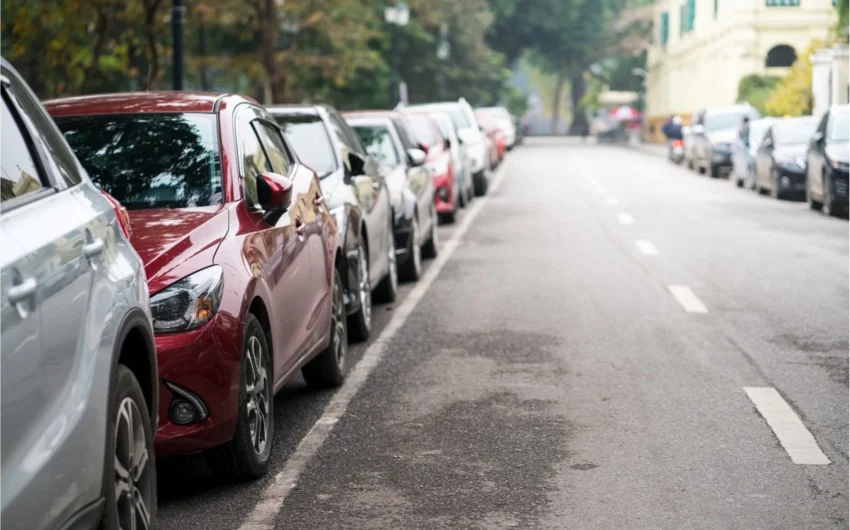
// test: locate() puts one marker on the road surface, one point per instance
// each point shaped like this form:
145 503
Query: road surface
606 341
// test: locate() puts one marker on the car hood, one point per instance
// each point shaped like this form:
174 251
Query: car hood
789 150
723 136
166 238
839 151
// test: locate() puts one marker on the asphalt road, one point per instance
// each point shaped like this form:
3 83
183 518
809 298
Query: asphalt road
577 358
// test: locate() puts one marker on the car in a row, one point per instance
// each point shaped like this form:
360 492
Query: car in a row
172 259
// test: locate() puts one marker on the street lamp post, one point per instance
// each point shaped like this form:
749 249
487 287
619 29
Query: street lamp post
397 15
444 50
178 12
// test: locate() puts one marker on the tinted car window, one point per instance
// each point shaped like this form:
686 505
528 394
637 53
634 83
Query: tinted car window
275 148
341 135
309 137
254 161
794 131
19 173
404 134
378 142
839 127
150 160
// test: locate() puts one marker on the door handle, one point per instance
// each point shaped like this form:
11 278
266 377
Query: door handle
21 291
95 248
300 227
318 200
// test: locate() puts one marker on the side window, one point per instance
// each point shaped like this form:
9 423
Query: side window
274 147
823 124
403 134
252 158
343 134
19 174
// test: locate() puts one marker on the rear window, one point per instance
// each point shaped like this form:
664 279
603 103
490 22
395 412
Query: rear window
150 160
378 142
311 142
423 130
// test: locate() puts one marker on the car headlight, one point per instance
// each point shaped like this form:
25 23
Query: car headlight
189 303
843 166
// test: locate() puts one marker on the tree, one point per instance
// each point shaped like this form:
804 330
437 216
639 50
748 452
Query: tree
793 95
755 89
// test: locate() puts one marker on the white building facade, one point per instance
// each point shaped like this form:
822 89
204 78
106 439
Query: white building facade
702 48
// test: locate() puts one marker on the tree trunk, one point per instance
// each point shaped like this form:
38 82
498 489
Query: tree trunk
579 127
556 102
151 8
276 82
104 23
202 51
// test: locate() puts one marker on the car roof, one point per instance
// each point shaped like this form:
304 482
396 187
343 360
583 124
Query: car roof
375 113
167 101
373 119
293 110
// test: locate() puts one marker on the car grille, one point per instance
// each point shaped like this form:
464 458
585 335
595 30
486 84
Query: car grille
840 187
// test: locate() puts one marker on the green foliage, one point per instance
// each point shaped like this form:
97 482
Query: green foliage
755 89
843 20
793 95
515 101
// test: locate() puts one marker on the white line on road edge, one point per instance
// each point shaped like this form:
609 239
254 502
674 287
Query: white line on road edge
688 299
612 201
646 247
793 435
272 498
625 219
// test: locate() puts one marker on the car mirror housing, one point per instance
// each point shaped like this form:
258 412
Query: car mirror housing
817 138
356 164
274 192
447 143
416 157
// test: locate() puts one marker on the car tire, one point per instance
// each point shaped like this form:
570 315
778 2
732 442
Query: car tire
450 217
387 290
360 323
411 270
461 198
775 192
479 183
432 245
714 171
327 369
246 456
739 182
689 164
129 418
828 207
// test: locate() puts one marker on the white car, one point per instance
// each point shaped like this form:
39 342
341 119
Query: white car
504 121
471 136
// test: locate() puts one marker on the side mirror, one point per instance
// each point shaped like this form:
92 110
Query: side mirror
481 128
356 164
274 192
817 138
767 142
416 157
423 147
447 143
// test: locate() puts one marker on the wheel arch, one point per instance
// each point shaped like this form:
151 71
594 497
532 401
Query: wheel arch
135 348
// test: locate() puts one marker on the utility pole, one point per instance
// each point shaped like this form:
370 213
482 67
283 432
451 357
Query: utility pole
178 13
396 17
443 52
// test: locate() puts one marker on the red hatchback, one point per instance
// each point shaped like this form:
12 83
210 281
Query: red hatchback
439 164
241 259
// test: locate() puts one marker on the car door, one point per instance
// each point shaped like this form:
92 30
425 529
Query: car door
277 252
373 195
53 239
816 158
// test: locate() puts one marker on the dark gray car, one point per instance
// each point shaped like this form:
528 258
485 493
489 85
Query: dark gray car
713 135
79 372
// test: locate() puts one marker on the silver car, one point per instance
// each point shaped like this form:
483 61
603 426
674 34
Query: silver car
79 373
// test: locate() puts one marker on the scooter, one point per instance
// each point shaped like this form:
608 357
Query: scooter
676 151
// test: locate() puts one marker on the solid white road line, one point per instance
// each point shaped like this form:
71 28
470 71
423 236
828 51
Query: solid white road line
612 201
646 247
793 435
688 299
272 498
625 219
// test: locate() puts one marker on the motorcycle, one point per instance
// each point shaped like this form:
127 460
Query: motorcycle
676 151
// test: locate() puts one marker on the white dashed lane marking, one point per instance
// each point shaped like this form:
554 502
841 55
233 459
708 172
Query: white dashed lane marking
795 438
686 297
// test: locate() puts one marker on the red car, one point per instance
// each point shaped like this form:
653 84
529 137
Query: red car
240 254
497 137
439 164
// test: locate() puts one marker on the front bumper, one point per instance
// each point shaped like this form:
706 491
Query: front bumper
205 363
721 159
791 179
444 194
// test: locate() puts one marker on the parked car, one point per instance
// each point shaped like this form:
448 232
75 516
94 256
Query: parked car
463 168
826 182
241 255
79 377
713 132
497 144
744 154
781 158
471 136
357 196
439 163
389 140
504 121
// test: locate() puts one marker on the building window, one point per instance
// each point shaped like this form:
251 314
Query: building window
780 56
716 2
692 13
781 3
665 27
682 19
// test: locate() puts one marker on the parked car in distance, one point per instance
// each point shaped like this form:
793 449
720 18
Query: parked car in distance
827 156
389 139
744 154
356 194
439 164
79 378
713 132
781 158
497 144
241 256
504 121
471 136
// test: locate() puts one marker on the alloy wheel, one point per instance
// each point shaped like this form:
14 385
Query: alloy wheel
416 249
132 469
392 264
257 390
338 338
365 289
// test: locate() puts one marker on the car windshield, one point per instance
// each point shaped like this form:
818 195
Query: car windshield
456 113
423 130
757 130
311 142
794 131
839 127
378 142
150 160
445 128
730 120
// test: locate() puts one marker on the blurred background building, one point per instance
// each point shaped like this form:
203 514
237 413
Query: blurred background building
701 49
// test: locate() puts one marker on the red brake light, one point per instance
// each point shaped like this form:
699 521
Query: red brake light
121 213
678 143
